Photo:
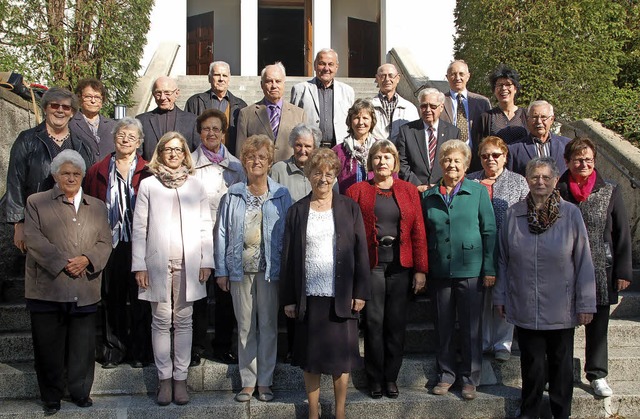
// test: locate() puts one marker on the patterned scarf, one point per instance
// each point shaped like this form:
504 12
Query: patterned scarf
541 219
358 153
213 156
171 178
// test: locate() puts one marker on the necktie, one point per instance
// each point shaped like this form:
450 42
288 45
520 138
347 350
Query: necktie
433 143
461 120
274 120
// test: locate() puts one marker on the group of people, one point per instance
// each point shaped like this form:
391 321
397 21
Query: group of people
284 206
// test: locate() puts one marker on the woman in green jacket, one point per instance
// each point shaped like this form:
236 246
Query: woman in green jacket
461 235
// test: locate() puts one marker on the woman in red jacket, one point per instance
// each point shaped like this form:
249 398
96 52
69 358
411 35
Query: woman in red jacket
397 245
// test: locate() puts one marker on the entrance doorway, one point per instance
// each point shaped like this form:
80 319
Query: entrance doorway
281 38
364 47
199 43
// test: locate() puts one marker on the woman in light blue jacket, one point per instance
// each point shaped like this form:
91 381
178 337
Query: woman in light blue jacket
248 244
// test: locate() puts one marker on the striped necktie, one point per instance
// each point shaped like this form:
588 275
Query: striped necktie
433 143
461 120
274 120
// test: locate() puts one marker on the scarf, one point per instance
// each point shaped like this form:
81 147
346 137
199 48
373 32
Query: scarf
448 197
358 153
541 219
171 178
213 156
581 193
116 200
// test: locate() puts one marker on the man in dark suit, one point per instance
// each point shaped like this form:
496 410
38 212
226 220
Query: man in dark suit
166 117
463 117
539 142
419 141
272 116
219 97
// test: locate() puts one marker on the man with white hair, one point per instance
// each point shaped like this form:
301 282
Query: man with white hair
325 100
392 110
219 97
540 142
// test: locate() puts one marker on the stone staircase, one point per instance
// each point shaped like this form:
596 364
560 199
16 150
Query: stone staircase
124 392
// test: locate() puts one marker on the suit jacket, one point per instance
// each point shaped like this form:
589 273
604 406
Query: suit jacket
254 119
414 156
185 125
524 150
477 105
305 96
199 102
352 274
81 129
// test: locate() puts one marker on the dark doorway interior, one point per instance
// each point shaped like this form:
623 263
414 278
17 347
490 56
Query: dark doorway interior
364 47
199 43
281 38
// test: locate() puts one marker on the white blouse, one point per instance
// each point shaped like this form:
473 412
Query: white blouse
320 254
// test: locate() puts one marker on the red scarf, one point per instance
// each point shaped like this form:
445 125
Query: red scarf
581 193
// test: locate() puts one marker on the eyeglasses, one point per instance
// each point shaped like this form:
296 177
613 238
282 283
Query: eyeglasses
500 86
320 175
257 158
56 106
90 98
130 137
434 106
485 156
543 118
214 130
386 76
178 150
159 93
536 178
580 162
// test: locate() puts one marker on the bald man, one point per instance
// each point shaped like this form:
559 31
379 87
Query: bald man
166 117
392 110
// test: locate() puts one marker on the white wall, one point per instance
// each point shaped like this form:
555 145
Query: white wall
168 24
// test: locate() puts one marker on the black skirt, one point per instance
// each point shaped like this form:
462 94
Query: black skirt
324 342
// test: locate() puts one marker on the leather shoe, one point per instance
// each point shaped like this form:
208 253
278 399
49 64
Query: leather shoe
392 390
50 408
180 393
109 365
195 360
469 392
227 358
375 390
83 401
441 388
164 392
136 364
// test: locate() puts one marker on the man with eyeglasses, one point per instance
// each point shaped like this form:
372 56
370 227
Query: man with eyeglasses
539 142
473 106
219 97
166 117
418 141
93 128
325 100
392 110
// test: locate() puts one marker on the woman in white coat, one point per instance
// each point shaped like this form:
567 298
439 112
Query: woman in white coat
172 258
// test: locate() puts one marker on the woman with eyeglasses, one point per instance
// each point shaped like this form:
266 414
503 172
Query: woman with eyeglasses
88 124
32 153
602 207
172 258
505 189
507 120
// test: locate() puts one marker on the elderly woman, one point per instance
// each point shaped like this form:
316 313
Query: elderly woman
172 258
507 120
397 246
217 169
32 153
354 150
604 215
115 180
325 273
461 233
544 249
88 124
68 243
505 189
248 244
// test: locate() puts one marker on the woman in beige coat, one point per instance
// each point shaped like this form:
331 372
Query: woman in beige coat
172 258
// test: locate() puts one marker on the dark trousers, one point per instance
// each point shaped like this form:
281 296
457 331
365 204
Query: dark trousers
224 320
596 349
126 319
557 346
461 297
57 337
385 322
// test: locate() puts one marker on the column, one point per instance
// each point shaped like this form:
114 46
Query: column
249 38
321 25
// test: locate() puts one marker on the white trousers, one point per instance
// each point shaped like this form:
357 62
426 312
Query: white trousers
497 334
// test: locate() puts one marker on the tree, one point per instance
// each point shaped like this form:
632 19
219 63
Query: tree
566 51
59 42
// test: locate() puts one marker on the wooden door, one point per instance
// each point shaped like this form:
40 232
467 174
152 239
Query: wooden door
308 38
364 47
199 43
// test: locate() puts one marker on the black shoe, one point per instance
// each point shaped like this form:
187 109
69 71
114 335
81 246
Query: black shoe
136 363
83 401
288 358
392 390
375 391
50 408
227 358
195 360
109 365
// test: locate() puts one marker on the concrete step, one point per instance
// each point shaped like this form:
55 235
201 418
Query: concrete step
623 333
14 317
492 402
12 290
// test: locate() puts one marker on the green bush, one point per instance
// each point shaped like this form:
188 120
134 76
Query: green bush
623 114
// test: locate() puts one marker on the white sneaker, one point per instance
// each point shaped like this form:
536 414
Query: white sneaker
601 388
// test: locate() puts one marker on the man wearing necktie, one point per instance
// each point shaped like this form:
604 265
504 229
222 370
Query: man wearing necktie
271 116
462 107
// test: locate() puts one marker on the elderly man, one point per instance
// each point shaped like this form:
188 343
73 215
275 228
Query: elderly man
166 117
325 101
540 142
219 97
392 111
473 105
271 116
418 141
